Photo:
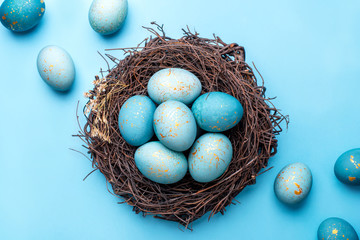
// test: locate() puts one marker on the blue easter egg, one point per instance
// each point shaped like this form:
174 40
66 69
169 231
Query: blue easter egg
217 111
136 120
56 67
107 16
175 125
347 167
160 164
174 84
293 183
209 157
21 15
336 229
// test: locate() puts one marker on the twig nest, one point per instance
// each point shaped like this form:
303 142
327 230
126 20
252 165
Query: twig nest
219 67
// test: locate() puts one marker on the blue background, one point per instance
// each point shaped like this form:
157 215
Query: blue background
307 51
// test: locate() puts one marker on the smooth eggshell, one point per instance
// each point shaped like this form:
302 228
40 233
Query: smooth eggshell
107 16
175 125
217 111
136 120
56 67
174 84
293 183
160 164
209 157
21 15
336 229
347 167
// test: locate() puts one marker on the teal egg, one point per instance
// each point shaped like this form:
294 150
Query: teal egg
336 229
175 125
56 67
21 15
107 16
217 111
293 183
174 84
209 157
347 167
136 120
160 164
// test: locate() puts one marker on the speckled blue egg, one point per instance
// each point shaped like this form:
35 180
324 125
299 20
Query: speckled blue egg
293 183
56 67
217 111
336 229
136 120
174 84
209 157
21 15
160 164
175 125
347 167
107 16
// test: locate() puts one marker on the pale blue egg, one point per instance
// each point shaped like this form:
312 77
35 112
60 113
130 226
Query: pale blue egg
217 111
209 157
174 84
56 67
336 229
107 16
175 125
160 164
21 15
293 183
136 120
347 167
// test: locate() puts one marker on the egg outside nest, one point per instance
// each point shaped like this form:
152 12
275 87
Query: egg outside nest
253 139
21 15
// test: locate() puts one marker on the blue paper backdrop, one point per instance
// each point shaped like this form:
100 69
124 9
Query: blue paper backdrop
307 51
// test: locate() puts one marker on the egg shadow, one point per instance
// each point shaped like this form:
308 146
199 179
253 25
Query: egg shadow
112 35
67 93
294 207
297 206
62 93
32 31
351 188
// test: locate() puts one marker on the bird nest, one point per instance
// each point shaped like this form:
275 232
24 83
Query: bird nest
220 67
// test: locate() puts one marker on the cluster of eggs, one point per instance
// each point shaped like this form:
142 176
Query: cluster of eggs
347 170
54 63
105 16
177 114
293 183
177 127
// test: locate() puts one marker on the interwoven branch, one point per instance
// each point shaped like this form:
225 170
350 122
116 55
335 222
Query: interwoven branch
220 67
